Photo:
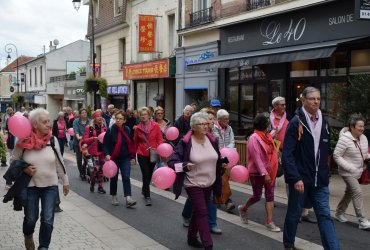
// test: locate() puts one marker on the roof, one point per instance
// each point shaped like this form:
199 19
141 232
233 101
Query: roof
13 65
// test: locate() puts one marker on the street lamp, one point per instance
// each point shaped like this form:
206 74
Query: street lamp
76 5
8 49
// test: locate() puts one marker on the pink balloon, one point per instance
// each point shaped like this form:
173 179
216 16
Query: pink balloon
71 132
172 133
19 126
165 150
110 169
239 174
101 137
163 177
231 154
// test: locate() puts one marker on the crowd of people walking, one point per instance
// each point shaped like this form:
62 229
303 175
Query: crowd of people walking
295 146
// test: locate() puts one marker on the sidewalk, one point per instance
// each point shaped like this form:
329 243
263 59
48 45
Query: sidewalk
81 225
336 187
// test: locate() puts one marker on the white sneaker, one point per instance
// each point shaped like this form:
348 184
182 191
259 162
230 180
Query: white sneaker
364 224
114 200
130 202
243 214
272 227
340 217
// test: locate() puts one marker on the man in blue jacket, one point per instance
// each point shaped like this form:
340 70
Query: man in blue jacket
305 155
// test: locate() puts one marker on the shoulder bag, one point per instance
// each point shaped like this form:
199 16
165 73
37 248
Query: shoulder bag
153 155
364 179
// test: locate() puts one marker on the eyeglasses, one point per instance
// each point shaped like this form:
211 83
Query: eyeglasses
202 124
159 113
313 98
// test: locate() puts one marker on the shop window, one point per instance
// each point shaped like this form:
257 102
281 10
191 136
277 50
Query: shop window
329 102
261 98
259 72
246 105
233 106
336 65
246 72
304 68
234 74
360 61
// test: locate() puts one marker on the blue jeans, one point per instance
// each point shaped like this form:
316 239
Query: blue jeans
48 196
125 168
212 211
319 198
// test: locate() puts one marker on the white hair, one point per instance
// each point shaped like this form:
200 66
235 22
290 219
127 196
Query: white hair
61 113
110 106
35 114
276 100
222 113
195 118
188 107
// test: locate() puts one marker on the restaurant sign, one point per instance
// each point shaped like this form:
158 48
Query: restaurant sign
148 70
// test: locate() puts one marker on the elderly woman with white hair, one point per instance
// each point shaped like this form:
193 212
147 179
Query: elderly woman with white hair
278 119
45 166
225 135
59 131
183 122
197 161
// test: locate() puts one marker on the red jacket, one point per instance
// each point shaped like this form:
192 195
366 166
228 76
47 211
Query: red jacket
92 144
154 138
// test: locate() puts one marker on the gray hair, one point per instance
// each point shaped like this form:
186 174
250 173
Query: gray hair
221 113
353 119
276 100
110 106
36 113
195 118
308 90
189 106
61 113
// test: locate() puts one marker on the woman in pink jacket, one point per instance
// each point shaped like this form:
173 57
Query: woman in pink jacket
262 166
95 149
147 136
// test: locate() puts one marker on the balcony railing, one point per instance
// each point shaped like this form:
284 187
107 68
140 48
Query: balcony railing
201 17
69 77
256 4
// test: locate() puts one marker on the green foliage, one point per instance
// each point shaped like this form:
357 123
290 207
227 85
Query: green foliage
334 137
18 98
354 97
2 149
89 111
102 82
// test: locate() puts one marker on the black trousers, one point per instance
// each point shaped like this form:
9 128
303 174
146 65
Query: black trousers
81 166
146 168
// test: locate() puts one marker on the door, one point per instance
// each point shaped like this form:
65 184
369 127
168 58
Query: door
294 100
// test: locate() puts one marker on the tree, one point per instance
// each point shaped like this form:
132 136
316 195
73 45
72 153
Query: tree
354 97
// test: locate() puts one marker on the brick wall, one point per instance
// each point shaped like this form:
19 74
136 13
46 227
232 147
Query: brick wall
106 18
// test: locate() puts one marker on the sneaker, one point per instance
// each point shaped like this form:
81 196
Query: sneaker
91 187
130 202
364 224
114 200
243 214
216 230
272 227
148 201
309 218
229 207
101 190
194 242
185 222
341 217
58 209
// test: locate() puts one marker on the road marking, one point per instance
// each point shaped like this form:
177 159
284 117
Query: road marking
231 218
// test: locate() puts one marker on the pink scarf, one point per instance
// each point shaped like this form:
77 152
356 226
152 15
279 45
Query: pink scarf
34 141
147 127
280 125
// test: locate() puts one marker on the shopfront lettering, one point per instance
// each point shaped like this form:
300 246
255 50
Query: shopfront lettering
201 57
272 31
233 39
341 19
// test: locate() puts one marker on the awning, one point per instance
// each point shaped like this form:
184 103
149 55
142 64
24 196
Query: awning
278 55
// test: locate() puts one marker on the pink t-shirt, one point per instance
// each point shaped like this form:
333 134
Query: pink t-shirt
205 158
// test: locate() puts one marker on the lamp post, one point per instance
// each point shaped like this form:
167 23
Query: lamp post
8 49
76 5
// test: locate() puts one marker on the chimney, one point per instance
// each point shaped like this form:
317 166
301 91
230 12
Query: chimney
51 46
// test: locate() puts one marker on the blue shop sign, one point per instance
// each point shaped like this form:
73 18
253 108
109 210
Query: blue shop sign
203 56
118 90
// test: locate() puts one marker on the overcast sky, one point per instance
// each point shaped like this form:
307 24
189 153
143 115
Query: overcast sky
31 24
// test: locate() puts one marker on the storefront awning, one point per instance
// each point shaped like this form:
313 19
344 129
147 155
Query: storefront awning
278 55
